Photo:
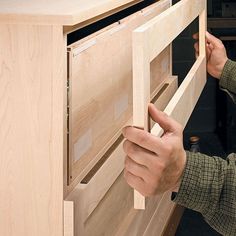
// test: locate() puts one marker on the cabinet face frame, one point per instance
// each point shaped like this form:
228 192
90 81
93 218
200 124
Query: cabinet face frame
149 41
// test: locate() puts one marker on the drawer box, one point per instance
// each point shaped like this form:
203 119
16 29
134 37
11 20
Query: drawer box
97 196
100 88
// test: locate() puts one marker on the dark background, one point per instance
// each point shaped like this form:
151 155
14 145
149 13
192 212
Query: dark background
215 113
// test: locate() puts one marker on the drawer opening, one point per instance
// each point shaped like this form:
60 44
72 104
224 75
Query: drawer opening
161 91
98 25
99 164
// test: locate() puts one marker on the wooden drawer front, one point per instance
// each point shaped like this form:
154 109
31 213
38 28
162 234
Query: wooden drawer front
97 196
148 43
100 81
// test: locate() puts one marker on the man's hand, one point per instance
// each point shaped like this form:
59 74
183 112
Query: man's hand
216 54
154 165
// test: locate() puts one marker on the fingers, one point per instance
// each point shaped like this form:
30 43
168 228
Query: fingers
136 169
139 155
142 138
196 47
145 188
208 51
165 122
135 182
211 41
196 36
215 42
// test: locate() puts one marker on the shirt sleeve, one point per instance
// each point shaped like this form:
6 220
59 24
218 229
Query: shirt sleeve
228 79
209 187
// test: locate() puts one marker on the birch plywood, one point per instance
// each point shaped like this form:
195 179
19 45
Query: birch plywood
148 42
101 88
184 12
89 197
68 218
160 217
56 12
31 123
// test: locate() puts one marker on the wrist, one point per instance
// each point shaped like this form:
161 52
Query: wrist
181 171
221 68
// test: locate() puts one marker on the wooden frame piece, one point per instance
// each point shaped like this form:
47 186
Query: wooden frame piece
149 41
68 218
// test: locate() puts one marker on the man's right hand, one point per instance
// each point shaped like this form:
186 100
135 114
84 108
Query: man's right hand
215 52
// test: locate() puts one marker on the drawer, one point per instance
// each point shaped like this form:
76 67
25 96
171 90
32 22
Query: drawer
100 90
99 193
116 216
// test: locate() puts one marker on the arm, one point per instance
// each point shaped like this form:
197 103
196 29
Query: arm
228 79
209 187
155 165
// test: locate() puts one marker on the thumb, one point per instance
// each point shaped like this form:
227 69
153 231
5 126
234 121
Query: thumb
215 42
166 123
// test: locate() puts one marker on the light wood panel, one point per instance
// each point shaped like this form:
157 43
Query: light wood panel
105 219
148 42
31 122
91 191
136 221
68 218
101 98
90 195
53 12
184 12
160 218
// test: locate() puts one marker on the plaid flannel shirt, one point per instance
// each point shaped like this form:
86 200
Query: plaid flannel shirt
209 183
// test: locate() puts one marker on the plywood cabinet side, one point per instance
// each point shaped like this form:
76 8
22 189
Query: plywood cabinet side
32 77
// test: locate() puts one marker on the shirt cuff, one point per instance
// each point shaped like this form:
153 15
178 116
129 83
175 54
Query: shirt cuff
191 194
228 75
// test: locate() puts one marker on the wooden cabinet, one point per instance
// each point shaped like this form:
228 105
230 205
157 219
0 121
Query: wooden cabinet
63 106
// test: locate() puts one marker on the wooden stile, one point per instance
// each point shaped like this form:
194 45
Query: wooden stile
148 42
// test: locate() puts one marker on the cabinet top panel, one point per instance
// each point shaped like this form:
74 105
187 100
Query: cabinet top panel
57 12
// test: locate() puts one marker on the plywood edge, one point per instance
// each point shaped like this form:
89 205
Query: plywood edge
141 95
68 218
